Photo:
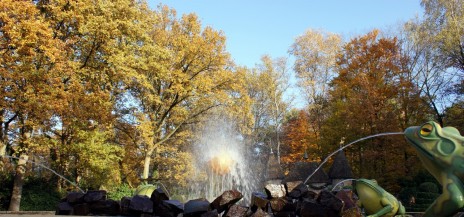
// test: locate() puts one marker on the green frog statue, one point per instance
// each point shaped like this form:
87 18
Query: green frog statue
442 154
376 201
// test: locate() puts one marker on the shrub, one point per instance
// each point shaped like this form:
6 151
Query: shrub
38 196
6 185
121 191
429 187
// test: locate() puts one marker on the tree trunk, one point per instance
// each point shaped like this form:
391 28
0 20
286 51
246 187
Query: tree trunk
146 165
2 149
18 184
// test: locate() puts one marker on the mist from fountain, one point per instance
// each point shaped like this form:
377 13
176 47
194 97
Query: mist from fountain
45 167
222 162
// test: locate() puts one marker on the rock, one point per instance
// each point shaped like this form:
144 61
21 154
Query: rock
275 190
174 205
64 208
236 211
310 194
333 204
105 207
289 186
260 213
141 204
158 195
125 204
298 191
353 212
285 214
148 215
212 213
92 196
347 197
196 207
75 197
258 200
169 208
81 209
311 209
226 200
277 204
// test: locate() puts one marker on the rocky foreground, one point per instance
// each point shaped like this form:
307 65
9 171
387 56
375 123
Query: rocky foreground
289 200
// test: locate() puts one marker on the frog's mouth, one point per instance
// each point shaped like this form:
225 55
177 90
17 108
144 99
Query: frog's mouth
423 151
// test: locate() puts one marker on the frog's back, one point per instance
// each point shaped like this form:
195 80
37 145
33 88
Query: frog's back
372 197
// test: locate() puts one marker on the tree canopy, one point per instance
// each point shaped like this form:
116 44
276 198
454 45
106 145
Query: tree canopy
112 93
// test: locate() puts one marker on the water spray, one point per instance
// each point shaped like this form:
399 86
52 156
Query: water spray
342 183
43 166
343 147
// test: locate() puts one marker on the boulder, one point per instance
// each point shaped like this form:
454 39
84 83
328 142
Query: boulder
347 197
333 204
311 209
141 204
275 190
277 204
64 208
81 209
169 208
105 207
289 186
226 200
297 191
158 195
236 211
196 207
260 213
211 213
75 197
92 196
258 200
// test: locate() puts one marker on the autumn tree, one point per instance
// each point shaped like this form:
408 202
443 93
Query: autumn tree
174 90
299 140
445 20
315 54
266 85
30 68
365 101
101 42
434 45
428 69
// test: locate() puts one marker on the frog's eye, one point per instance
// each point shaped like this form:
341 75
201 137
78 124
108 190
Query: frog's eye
426 130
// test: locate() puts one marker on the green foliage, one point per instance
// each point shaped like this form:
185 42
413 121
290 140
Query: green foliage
6 181
406 193
419 192
429 187
123 190
39 196
97 158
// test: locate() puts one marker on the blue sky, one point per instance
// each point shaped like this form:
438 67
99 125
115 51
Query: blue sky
257 27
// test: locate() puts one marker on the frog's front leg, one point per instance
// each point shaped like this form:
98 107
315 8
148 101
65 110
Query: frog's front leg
448 203
387 207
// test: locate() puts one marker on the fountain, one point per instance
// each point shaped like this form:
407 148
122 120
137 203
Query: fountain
45 167
225 166
222 158
345 146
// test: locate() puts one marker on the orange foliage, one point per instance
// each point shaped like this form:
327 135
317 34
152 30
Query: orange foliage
299 138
